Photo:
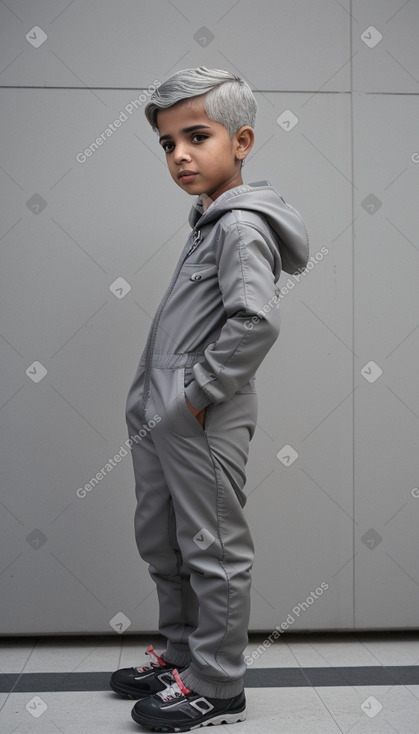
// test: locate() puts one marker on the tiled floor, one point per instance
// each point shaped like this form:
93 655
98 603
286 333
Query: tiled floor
301 684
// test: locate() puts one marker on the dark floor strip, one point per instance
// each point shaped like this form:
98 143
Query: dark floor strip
391 675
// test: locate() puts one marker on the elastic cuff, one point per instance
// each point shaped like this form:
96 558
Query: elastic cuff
196 396
224 689
174 656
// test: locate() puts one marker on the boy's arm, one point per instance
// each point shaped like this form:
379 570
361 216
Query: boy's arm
250 298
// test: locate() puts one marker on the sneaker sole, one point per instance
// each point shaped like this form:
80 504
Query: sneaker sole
213 721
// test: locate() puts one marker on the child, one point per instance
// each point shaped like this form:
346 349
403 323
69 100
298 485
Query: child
195 386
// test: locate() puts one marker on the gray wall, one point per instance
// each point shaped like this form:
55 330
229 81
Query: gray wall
340 386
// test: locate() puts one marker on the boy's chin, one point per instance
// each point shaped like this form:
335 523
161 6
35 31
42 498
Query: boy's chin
203 196
190 189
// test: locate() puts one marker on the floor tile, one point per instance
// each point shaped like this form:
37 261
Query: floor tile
278 653
70 713
268 712
311 651
394 648
373 708
45 675
14 654
74 654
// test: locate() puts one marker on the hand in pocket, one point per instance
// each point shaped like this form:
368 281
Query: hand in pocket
199 414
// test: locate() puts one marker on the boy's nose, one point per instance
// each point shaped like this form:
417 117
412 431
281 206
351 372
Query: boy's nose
182 154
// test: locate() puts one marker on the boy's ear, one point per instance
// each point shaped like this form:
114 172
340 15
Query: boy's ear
244 140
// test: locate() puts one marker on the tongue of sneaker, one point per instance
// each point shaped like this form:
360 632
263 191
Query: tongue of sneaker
176 689
171 692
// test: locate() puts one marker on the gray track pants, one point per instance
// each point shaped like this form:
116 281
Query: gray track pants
189 523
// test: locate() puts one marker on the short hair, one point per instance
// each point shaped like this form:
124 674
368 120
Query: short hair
228 98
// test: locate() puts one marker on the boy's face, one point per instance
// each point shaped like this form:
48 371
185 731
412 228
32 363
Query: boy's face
195 144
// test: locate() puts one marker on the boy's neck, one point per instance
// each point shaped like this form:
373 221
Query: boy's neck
207 200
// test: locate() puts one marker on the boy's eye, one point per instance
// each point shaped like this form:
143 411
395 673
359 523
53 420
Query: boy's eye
195 138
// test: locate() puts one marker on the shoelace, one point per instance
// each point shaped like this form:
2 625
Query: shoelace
175 690
158 663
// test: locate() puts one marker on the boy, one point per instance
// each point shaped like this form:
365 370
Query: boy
195 385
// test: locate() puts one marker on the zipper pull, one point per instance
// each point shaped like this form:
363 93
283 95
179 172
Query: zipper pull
196 239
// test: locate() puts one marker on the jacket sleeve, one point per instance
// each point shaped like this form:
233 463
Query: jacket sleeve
246 263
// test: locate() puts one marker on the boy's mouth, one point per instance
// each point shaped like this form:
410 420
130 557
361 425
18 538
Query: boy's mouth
186 175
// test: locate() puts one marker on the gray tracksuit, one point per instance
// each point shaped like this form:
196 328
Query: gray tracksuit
215 324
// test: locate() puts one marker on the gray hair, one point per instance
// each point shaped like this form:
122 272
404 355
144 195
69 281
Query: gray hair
228 98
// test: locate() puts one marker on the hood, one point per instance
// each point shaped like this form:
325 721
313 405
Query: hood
286 223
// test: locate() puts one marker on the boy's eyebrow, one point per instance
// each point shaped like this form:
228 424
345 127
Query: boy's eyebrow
185 130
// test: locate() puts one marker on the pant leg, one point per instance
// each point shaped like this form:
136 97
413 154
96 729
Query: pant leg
205 474
155 533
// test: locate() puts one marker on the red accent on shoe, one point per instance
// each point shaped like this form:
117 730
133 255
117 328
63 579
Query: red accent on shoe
183 689
151 651
159 662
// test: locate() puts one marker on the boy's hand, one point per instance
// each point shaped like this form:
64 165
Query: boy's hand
199 414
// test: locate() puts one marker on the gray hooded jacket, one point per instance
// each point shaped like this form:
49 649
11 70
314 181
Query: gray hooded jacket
222 303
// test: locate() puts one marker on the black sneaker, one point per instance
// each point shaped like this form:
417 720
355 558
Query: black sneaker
178 709
144 681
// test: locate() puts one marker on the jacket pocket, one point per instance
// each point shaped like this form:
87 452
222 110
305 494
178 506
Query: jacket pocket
202 273
185 423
